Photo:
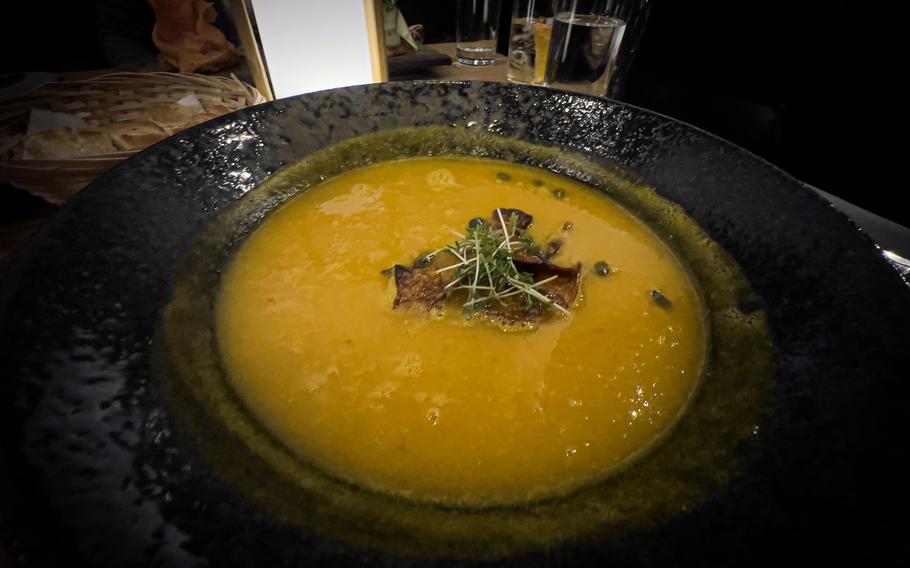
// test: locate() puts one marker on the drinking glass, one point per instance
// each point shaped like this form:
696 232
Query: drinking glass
529 40
587 41
475 32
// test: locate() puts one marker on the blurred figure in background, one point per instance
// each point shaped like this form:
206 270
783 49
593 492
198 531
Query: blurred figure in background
186 35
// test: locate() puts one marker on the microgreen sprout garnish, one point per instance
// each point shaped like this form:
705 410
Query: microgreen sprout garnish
485 269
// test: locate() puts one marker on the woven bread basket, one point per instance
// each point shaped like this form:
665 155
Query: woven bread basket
106 104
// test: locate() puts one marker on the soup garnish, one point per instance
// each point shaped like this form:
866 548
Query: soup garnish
495 269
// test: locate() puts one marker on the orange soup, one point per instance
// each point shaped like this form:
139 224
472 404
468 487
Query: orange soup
431 405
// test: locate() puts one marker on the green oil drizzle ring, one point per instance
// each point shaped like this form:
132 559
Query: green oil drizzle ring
710 443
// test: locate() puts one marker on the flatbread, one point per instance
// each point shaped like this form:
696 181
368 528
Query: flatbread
61 143
135 135
173 117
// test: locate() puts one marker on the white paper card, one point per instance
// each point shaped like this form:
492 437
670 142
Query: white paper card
312 45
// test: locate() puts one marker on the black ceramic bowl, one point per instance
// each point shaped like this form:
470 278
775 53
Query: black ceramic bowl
95 470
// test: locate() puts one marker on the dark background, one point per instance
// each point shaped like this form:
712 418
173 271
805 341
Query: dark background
784 80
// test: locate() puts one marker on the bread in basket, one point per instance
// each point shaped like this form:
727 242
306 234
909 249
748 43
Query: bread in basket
104 121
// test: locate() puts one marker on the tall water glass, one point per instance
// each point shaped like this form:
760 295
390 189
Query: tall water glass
586 39
475 32
635 13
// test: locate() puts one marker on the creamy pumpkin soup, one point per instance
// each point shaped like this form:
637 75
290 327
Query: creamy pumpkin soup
460 330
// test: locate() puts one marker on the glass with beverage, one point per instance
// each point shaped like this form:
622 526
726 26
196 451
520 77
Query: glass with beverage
586 39
529 40
475 32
